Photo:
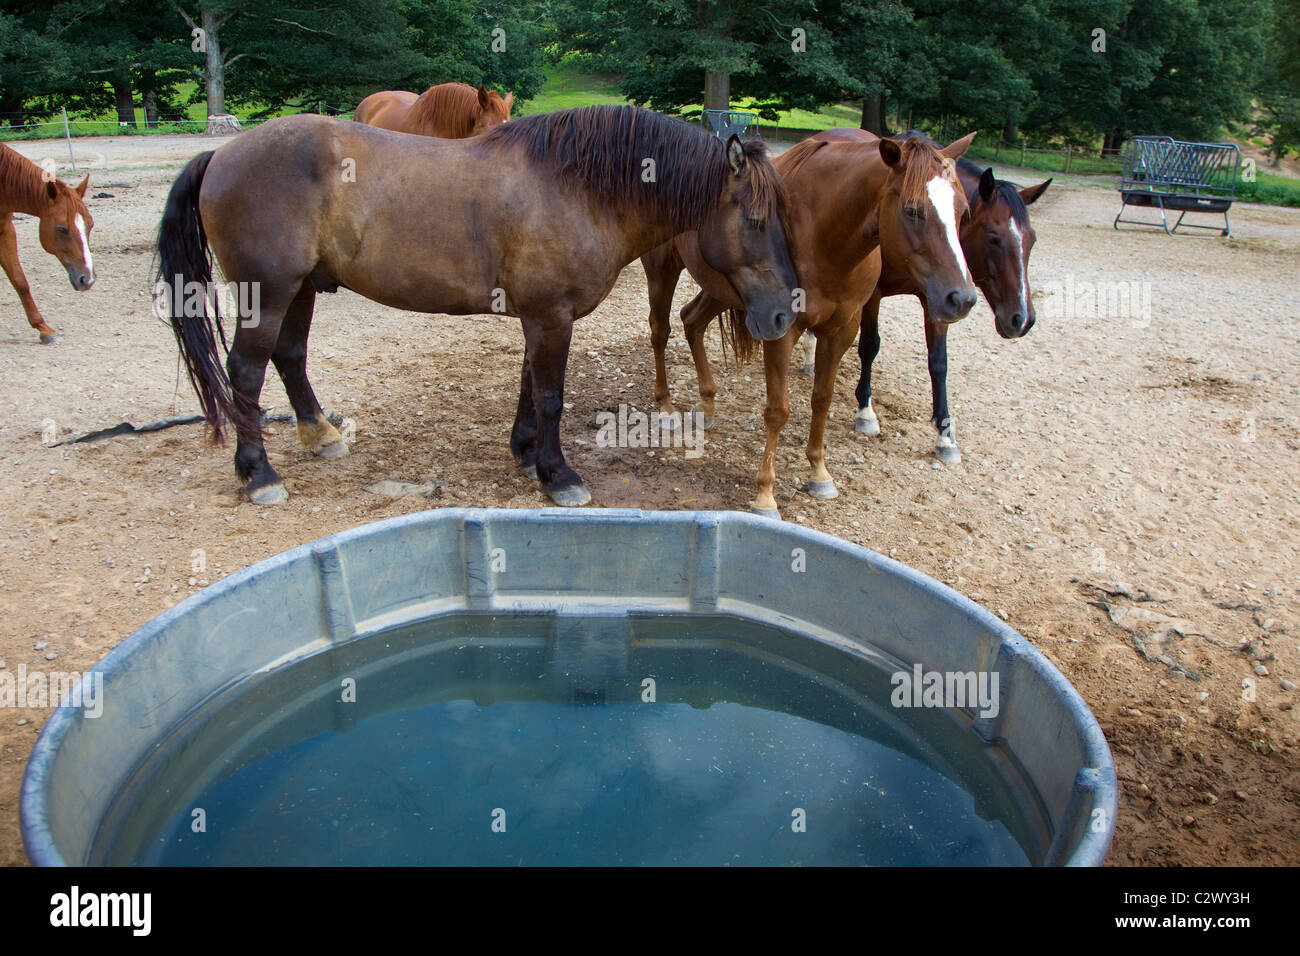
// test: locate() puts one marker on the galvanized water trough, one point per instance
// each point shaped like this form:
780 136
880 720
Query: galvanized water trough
587 571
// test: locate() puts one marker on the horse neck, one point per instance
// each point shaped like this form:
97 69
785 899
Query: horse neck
22 184
840 222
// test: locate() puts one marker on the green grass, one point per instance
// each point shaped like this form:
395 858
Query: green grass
567 87
1272 189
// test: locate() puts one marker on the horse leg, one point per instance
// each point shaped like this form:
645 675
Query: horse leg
315 432
776 367
936 344
831 346
662 269
696 316
523 436
548 354
809 343
246 366
866 422
9 261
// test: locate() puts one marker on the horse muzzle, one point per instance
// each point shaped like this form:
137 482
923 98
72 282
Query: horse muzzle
1015 325
81 279
776 324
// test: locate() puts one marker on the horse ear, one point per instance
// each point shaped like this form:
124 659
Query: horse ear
510 102
958 148
736 155
1030 193
81 190
987 185
482 98
890 152
51 189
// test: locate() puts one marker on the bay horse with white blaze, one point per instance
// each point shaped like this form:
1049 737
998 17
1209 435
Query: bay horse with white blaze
65 225
448 110
996 239
846 201
533 219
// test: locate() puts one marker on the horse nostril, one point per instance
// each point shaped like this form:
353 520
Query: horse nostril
1017 322
959 302
781 320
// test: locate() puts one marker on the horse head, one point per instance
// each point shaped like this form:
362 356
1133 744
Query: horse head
997 239
494 109
65 230
744 238
919 215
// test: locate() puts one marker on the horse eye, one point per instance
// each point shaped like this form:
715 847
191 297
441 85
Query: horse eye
61 229
912 212
994 241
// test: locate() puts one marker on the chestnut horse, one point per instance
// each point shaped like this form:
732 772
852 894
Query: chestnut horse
846 199
996 239
533 219
64 229
449 110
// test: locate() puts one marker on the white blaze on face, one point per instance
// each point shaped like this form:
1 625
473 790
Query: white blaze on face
85 247
1023 269
944 200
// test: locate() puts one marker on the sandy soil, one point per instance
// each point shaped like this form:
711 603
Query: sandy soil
1127 501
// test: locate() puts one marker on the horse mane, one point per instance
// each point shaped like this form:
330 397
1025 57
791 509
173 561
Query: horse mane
603 149
448 110
22 183
793 158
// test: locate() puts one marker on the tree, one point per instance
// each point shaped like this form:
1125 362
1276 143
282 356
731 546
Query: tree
674 53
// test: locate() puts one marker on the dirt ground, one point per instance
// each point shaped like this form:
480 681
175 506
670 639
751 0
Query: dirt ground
1127 498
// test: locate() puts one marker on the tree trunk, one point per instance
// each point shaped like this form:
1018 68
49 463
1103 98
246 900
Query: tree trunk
149 97
122 91
215 69
717 91
1011 129
1112 142
11 109
873 114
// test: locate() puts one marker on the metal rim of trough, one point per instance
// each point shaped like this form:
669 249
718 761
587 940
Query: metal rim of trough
1081 810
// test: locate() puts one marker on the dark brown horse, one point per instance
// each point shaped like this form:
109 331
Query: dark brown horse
846 199
449 110
533 219
64 229
996 239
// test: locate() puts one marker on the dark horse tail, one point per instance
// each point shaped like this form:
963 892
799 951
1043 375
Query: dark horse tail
184 279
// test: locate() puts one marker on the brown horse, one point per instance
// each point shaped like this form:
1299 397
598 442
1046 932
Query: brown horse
65 229
996 239
533 219
846 199
448 110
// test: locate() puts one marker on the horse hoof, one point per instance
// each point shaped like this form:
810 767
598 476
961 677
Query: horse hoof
269 495
773 513
49 338
574 496
335 449
866 426
809 368
669 421
530 471
823 489
948 454
702 420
